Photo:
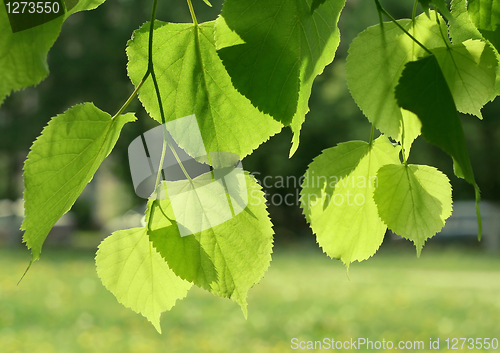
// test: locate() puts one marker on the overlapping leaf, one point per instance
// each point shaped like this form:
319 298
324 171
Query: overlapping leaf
413 201
130 268
61 163
23 55
464 29
485 14
274 49
374 65
439 4
470 71
423 90
337 198
227 259
193 80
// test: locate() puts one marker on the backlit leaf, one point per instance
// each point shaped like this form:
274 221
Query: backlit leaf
470 71
61 163
486 17
374 65
337 198
274 49
193 80
130 268
227 259
423 90
464 29
413 201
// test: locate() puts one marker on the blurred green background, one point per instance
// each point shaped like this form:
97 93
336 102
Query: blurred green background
452 291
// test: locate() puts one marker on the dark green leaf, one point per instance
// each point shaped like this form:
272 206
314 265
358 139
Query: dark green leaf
274 49
440 5
423 90
23 55
486 17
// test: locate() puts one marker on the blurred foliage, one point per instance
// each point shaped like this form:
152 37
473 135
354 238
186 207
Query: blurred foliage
445 293
88 63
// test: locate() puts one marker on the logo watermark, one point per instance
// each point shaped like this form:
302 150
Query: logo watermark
285 190
204 189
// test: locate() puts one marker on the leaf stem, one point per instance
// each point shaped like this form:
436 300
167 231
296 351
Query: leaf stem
151 71
382 10
160 167
191 9
414 13
150 43
132 96
380 18
150 61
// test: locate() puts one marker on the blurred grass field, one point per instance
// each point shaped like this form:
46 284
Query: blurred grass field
61 306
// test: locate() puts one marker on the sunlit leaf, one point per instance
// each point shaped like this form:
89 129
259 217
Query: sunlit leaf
274 50
486 17
337 198
227 259
61 163
470 71
464 29
374 65
413 201
193 80
130 268
423 90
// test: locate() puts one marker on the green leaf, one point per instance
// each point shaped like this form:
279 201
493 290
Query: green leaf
316 4
470 71
413 201
82 5
274 49
23 55
227 259
410 130
374 65
337 198
131 269
425 6
440 5
61 162
485 14
193 80
207 2
464 29
423 90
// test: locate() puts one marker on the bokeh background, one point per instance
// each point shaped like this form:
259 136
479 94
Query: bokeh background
453 290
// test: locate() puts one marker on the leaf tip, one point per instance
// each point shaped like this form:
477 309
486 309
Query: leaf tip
156 323
419 248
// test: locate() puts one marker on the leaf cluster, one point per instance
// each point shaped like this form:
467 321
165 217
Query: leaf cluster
245 76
